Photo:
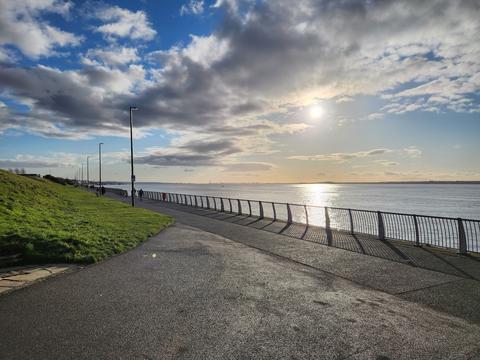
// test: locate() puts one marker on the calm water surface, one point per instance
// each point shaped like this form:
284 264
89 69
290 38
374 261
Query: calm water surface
452 200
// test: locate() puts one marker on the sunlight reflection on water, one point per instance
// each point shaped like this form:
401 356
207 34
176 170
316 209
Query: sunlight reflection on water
454 200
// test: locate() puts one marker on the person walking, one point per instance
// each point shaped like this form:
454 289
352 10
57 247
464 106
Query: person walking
140 194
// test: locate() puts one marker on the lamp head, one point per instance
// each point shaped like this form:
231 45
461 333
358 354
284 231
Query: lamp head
133 108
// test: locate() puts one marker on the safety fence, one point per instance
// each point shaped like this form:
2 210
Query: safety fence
462 235
116 191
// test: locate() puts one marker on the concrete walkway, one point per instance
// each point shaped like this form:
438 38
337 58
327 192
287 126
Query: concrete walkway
441 280
191 294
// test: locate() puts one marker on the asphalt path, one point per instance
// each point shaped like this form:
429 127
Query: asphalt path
190 294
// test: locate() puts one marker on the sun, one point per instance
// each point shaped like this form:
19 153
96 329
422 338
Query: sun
316 111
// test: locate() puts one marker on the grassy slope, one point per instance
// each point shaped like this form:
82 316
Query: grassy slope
48 222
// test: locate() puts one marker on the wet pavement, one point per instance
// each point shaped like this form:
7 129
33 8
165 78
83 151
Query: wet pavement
192 294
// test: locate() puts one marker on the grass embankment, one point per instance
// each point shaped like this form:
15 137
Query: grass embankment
47 222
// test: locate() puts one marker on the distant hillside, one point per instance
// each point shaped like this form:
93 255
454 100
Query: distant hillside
47 222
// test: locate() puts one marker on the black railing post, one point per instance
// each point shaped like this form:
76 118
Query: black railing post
214 203
222 207
274 212
239 207
249 208
381 227
417 232
201 201
328 230
260 205
208 202
196 201
462 239
230 205
306 215
351 221
289 214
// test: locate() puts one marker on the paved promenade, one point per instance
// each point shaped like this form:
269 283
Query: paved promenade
229 291
439 279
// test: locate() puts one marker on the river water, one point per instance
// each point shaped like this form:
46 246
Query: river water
450 200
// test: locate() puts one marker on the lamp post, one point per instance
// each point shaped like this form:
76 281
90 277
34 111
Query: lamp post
88 173
82 175
132 108
100 166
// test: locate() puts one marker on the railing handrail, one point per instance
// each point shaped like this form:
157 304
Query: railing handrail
448 232
321 206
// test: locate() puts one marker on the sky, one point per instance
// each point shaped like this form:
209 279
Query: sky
242 90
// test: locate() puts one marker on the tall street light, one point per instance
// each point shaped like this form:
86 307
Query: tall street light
88 172
82 175
100 166
132 108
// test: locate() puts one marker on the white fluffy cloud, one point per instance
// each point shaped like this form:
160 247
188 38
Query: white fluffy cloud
111 56
193 7
22 26
124 23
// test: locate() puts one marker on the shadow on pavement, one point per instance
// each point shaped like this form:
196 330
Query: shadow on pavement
400 251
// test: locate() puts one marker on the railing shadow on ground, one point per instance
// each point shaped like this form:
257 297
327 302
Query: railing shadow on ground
395 250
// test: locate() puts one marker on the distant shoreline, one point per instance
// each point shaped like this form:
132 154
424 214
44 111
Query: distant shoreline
433 182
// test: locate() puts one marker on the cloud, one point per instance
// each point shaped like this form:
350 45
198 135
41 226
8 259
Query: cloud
9 164
252 166
218 147
22 26
123 23
386 162
111 56
194 7
186 159
55 160
412 151
262 60
341 157
191 153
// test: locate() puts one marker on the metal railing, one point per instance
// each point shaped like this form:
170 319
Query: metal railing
462 235
120 192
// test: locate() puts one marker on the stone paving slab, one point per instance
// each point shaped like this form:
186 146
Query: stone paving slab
16 277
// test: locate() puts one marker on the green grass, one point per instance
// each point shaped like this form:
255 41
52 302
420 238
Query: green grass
48 222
